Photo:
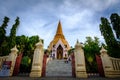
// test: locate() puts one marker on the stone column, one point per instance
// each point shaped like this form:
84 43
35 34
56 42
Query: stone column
107 64
80 68
12 57
36 70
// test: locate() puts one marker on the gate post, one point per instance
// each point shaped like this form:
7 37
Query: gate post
107 64
36 70
12 57
80 68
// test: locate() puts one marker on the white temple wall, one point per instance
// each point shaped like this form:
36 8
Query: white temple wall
54 49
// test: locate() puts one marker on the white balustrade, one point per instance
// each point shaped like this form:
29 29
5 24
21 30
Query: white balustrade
111 65
2 59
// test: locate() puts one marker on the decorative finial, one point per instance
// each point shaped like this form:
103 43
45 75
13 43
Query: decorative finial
77 41
103 50
14 49
39 43
78 44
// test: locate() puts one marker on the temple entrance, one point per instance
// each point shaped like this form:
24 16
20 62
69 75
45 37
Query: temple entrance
59 52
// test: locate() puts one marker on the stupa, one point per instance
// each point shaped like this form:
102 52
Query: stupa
59 46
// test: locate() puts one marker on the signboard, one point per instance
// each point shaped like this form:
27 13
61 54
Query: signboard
5 71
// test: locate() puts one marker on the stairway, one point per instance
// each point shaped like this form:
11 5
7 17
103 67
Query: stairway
58 68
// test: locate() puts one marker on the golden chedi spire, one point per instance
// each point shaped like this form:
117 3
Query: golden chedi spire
59 28
59 36
59 32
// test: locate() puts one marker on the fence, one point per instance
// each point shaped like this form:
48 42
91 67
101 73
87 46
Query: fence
115 71
2 59
7 63
111 65
115 63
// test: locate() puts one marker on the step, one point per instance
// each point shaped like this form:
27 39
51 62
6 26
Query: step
58 68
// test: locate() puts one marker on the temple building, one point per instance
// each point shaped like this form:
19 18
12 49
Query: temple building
59 46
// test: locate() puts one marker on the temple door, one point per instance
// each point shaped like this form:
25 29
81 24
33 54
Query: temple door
59 52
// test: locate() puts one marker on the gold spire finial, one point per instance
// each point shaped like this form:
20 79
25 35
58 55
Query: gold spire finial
59 28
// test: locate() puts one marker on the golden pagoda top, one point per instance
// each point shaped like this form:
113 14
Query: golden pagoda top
59 32
59 36
59 28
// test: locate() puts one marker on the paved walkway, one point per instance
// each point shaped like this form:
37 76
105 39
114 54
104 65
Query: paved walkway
56 78
58 68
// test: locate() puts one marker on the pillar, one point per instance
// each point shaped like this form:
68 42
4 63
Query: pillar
107 64
36 70
12 57
80 67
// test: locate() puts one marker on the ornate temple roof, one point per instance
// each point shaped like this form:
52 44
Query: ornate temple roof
58 36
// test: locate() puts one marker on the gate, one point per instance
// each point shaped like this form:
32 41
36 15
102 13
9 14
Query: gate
73 65
44 65
17 64
100 66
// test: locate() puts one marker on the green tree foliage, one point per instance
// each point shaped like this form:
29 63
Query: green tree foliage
115 21
5 47
13 33
25 64
92 45
30 46
10 41
3 41
26 61
2 29
112 44
26 45
21 42
71 51
91 48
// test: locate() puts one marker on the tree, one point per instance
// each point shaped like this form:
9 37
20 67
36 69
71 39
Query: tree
7 42
112 45
115 21
27 46
3 33
25 64
71 51
30 46
2 29
91 48
13 33
92 45
21 42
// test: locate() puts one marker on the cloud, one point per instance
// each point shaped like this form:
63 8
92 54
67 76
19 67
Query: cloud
80 18
95 5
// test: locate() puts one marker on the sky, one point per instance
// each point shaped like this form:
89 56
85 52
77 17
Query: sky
79 18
